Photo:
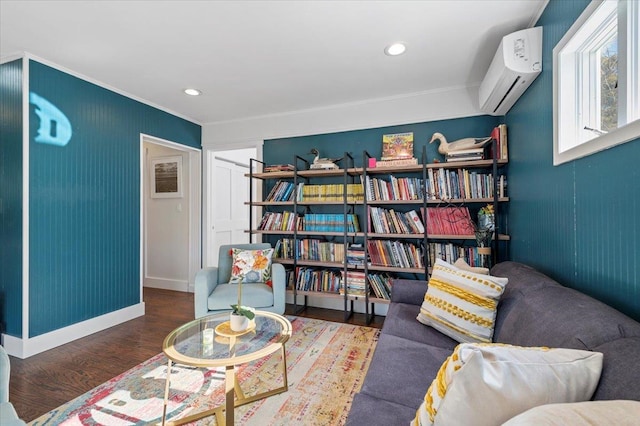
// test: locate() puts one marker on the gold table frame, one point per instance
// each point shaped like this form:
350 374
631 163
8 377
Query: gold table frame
234 396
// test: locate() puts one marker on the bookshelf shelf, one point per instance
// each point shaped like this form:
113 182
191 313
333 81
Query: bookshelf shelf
501 237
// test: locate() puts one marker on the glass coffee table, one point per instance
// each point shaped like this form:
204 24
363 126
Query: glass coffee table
210 342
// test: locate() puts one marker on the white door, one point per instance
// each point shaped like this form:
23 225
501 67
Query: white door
227 213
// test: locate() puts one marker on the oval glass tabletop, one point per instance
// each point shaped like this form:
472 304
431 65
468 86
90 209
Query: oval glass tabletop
209 342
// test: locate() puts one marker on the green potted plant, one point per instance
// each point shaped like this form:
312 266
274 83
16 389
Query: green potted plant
240 315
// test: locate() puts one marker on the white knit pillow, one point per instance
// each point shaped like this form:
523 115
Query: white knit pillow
487 384
616 412
461 304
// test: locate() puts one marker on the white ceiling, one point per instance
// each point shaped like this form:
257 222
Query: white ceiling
258 58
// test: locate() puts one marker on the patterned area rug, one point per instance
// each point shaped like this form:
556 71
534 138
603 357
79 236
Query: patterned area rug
326 363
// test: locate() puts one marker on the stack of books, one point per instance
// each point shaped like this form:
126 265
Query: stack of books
278 168
465 155
355 255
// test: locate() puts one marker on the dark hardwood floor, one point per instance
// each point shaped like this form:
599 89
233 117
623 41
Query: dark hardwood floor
45 381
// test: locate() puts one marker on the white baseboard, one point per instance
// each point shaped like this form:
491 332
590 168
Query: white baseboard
24 348
166 284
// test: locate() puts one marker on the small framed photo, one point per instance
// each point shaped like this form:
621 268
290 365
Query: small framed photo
166 177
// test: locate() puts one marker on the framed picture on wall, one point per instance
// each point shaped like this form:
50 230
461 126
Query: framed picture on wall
166 177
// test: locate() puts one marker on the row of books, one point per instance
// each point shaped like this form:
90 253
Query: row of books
395 253
282 191
391 222
453 220
330 192
323 280
324 222
309 249
285 191
445 184
405 189
450 253
356 284
381 285
330 222
281 221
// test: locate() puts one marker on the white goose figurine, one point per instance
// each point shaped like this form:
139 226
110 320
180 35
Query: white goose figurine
466 143
322 163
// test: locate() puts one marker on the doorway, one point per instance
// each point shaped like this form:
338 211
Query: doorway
170 221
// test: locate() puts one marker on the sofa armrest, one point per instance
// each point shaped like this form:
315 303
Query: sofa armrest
206 281
279 282
408 291
5 369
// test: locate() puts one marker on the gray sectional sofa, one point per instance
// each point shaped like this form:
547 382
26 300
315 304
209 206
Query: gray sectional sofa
533 311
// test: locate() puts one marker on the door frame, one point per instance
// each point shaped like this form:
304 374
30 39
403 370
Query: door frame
195 205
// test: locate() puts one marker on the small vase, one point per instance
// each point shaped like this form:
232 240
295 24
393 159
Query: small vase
483 240
238 322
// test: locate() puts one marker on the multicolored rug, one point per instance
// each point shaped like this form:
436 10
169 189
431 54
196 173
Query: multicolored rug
326 363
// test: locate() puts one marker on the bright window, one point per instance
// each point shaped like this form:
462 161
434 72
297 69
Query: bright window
596 73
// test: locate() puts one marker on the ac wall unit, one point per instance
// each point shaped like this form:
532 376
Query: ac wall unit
515 65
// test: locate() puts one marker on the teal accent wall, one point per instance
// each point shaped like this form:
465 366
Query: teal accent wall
84 198
334 145
577 222
11 198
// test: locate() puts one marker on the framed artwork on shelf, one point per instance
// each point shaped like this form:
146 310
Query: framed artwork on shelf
166 177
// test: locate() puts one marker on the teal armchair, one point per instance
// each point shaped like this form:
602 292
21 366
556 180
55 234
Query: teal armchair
214 293
8 415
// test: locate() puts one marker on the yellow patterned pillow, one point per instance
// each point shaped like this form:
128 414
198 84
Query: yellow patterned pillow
487 384
461 304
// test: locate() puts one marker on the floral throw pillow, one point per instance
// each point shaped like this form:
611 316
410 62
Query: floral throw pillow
251 266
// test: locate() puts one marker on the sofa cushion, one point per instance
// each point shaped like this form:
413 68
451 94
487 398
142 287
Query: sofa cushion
461 304
487 384
256 295
620 368
401 370
369 410
251 266
619 413
537 311
401 321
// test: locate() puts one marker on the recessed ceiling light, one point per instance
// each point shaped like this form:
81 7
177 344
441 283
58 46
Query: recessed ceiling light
192 92
395 49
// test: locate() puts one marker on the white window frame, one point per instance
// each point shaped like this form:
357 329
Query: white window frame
570 81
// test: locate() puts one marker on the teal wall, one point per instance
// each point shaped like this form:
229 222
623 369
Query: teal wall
11 197
334 145
84 200
577 222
